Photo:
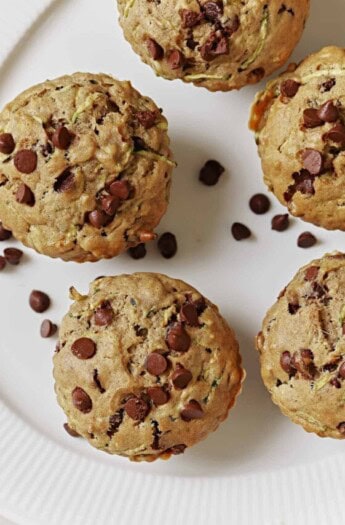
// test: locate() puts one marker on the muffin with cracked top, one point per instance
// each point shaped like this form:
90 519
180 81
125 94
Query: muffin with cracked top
146 366
302 347
85 167
218 45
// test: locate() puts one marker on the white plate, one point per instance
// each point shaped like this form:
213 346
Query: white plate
258 468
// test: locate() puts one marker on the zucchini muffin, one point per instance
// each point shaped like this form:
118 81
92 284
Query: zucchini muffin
217 45
85 167
302 348
145 366
299 124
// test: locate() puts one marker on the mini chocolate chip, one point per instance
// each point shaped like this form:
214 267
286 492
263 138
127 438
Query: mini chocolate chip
177 449
311 118
4 234
84 348
146 118
336 134
213 10
307 356
70 431
175 59
328 85
328 112
167 245
156 364
24 195
312 161
286 363
158 395
311 273
81 400
306 240
156 51
13 256
335 382
177 338
136 408
240 231
138 252
192 410
25 161
342 370
293 308
62 138
39 301
280 223
48 329
98 218
211 172
110 204
181 377
289 88
259 204
120 189
114 422
104 314
214 46
190 18
7 143
64 182
2 263
341 427
189 314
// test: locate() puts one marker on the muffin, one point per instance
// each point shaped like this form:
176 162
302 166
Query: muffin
302 348
85 167
145 367
299 125
217 45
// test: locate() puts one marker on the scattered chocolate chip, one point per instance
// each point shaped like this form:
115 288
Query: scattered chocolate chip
311 273
181 377
98 218
48 329
189 314
110 204
138 252
104 314
13 256
336 134
2 263
240 231
341 427
214 46
306 240
176 59
192 410
84 348
146 118
62 138
167 245
293 308
211 172
342 370
70 431
280 223
285 363
24 195
328 85
177 338
156 51
156 364
259 204
190 18
328 112
303 362
39 301
25 161
81 400
64 182
137 408
213 10
7 143
311 118
4 234
158 395
177 449
289 88
312 161
120 189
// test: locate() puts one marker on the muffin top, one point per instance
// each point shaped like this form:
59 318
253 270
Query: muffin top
85 167
299 121
146 366
218 45
302 347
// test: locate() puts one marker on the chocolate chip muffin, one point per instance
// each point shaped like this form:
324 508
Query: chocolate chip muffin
302 348
85 167
217 45
145 367
299 124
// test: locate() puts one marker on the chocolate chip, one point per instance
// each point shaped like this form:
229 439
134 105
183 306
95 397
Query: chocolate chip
280 223
120 189
232 26
214 46
7 144
167 245
312 161
25 161
24 195
328 112
137 408
342 370
311 118
155 50
64 182
306 240
110 204
335 382
336 134
286 364
114 422
4 234
304 182
189 314
62 138
158 395
289 88
81 400
39 301
48 329
2 263
177 338
156 364
98 218
146 118
84 348
175 59
190 18
104 314
138 252
13 256
240 231
211 172
177 449
311 273
293 308
70 431
192 410
303 362
97 381
341 427
213 10
328 85
259 204
181 377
